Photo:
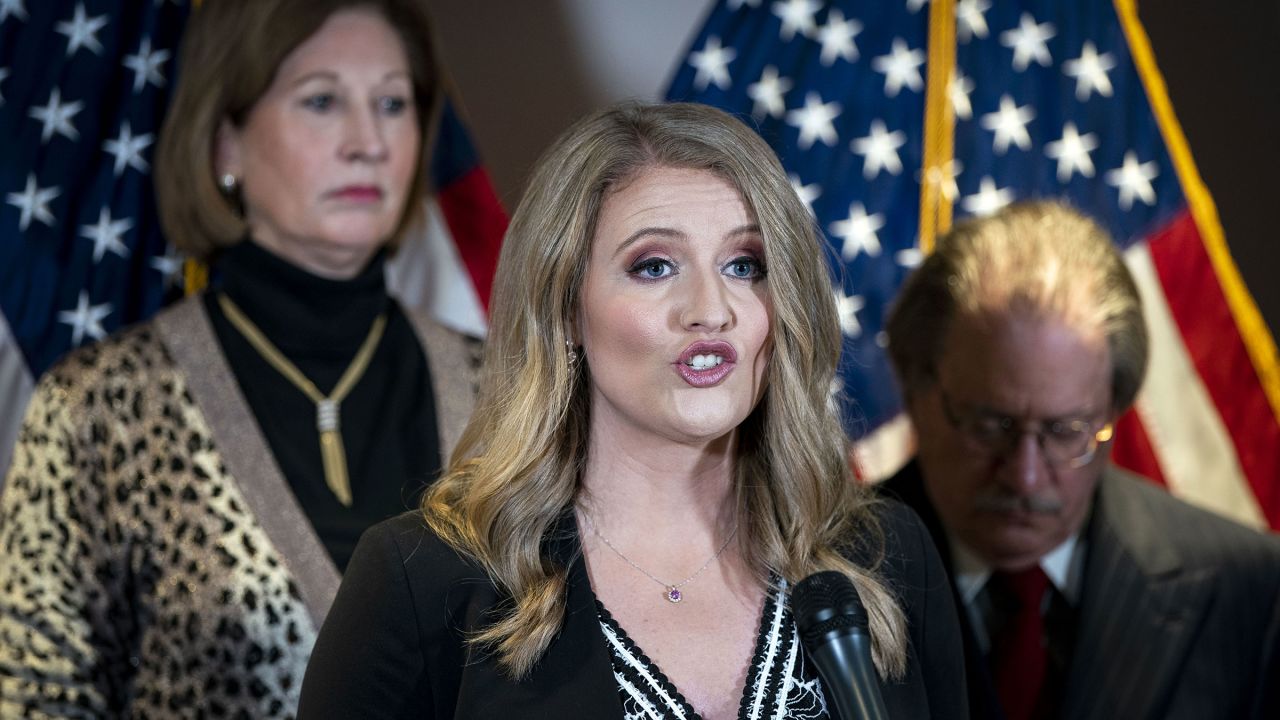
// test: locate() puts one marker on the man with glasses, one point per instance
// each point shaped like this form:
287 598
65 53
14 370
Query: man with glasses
1086 592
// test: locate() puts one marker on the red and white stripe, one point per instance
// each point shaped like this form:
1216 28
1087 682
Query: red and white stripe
446 265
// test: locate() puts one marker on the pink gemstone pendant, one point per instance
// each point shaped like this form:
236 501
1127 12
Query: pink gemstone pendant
673 595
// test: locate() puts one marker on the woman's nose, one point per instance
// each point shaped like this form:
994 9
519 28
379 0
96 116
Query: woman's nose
706 306
364 138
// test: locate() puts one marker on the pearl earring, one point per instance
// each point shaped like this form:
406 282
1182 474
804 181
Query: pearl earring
228 183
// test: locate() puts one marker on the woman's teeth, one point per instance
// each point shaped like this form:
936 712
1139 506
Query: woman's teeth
704 362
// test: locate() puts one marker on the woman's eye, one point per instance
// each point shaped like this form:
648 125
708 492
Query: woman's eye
652 269
320 102
393 105
745 267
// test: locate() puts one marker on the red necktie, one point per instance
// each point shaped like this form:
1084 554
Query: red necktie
1018 655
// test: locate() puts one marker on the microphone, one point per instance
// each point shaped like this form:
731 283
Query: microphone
833 628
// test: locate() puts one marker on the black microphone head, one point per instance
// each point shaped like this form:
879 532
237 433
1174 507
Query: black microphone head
825 603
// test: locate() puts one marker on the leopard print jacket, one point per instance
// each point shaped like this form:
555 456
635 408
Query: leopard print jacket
152 560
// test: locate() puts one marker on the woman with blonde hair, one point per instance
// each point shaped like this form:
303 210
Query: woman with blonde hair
652 464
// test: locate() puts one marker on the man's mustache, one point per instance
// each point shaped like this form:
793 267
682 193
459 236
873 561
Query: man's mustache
995 499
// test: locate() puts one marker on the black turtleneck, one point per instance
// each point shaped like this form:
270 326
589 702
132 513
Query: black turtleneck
388 420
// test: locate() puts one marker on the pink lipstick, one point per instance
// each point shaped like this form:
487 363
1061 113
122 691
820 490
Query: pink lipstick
706 363
359 193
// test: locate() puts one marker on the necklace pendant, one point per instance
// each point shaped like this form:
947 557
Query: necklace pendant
673 595
327 415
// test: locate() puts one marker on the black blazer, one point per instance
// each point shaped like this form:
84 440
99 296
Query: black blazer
1179 613
393 643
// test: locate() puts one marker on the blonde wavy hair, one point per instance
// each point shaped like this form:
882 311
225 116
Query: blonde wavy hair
515 471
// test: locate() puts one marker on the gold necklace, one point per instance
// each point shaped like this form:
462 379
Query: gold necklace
670 591
331 451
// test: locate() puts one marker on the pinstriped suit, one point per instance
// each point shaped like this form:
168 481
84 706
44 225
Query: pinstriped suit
1179 615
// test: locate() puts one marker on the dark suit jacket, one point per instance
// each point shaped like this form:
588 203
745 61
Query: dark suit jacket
393 644
1179 615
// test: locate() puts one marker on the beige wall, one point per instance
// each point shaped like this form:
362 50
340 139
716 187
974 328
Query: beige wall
526 69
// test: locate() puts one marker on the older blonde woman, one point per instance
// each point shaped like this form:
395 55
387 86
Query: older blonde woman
651 466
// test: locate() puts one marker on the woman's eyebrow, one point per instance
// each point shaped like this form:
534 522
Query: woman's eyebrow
647 232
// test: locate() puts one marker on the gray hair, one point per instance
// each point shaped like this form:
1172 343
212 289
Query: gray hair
1039 258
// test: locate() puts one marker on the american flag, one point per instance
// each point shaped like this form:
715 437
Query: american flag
83 88
446 267
1034 98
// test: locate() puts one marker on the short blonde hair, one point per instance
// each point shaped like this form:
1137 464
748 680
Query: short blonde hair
1041 258
515 471
230 54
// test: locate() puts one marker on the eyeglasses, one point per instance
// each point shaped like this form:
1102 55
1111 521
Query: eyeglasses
1064 443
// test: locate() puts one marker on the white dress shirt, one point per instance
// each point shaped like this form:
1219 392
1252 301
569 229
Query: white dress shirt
1063 565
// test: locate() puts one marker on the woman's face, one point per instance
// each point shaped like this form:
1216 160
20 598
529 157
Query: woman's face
675 310
326 156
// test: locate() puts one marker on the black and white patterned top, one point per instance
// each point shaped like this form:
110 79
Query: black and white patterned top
780 686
